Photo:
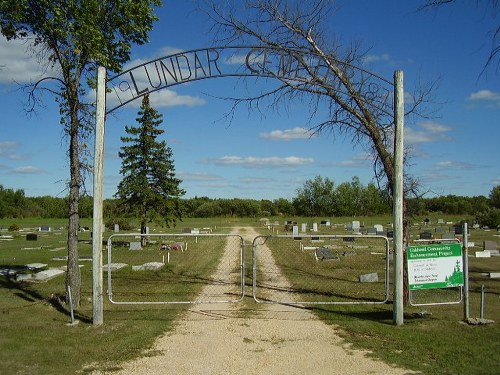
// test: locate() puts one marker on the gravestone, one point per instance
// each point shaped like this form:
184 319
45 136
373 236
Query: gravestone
295 230
440 221
439 230
114 267
44 228
458 229
323 253
31 237
489 245
371 231
315 227
117 228
390 234
304 227
135 246
426 236
369 278
356 226
348 239
379 228
151 266
448 236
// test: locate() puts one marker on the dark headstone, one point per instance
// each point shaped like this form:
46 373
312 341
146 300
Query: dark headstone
31 237
426 236
323 253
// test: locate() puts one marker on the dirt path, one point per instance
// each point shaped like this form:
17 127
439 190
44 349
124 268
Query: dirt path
274 339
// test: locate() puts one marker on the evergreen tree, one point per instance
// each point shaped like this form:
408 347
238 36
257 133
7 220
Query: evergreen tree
149 187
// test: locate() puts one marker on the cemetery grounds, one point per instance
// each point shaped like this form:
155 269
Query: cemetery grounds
37 336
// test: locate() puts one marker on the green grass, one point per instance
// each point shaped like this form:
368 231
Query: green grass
37 339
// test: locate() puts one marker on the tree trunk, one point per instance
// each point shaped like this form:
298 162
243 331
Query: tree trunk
73 277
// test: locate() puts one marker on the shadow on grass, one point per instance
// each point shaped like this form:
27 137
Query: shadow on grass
23 291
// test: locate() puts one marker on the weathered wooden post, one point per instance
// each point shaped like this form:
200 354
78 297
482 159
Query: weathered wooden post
97 288
398 198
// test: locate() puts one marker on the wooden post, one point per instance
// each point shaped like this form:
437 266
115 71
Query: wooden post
465 254
398 198
97 288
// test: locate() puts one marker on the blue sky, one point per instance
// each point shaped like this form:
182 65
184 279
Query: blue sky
271 155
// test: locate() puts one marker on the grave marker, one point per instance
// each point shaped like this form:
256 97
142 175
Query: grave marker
135 246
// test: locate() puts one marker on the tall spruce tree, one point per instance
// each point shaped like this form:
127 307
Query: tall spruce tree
149 187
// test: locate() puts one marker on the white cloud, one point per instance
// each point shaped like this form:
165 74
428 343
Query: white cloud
485 96
18 62
288 134
357 161
259 162
376 58
8 150
202 176
430 132
27 170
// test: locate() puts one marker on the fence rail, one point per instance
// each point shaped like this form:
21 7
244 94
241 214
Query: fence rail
175 269
324 269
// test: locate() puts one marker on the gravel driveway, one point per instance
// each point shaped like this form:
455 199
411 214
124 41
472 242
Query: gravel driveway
272 339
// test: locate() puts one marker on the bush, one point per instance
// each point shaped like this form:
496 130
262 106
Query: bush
490 218
14 228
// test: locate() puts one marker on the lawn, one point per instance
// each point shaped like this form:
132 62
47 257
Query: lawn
37 339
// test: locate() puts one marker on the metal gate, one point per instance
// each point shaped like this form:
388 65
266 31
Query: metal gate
175 268
323 269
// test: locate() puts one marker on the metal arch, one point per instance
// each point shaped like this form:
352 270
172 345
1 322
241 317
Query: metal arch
126 89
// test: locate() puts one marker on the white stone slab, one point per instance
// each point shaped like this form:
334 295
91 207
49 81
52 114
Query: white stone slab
40 276
114 266
36 266
483 254
369 278
151 266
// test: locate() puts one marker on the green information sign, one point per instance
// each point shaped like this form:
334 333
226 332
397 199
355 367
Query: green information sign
435 266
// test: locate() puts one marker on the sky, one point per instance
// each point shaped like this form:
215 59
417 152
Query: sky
269 155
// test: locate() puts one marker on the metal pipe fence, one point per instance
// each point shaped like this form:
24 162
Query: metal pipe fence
322 269
174 268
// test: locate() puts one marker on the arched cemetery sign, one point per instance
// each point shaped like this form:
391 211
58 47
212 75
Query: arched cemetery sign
237 61
294 68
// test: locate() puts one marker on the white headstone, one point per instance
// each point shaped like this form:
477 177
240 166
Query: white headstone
117 228
295 230
315 227
135 246
304 227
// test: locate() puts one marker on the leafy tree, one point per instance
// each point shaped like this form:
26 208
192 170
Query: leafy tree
316 197
348 198
75 36
149 186
495 196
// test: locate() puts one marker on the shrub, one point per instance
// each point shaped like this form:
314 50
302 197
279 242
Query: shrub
14 228
489 218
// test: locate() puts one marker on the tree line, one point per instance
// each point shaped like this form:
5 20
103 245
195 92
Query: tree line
318 197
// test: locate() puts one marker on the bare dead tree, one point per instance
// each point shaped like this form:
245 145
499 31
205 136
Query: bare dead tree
317 69
486 6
